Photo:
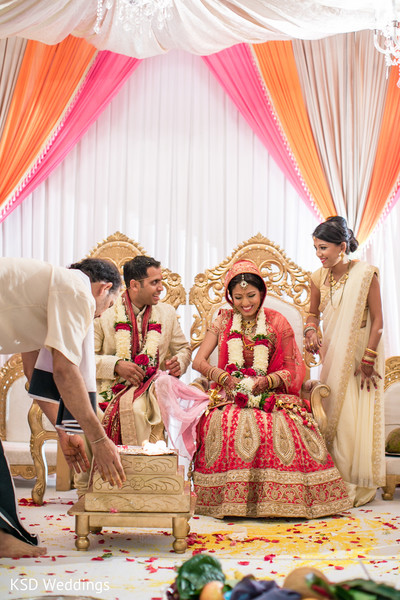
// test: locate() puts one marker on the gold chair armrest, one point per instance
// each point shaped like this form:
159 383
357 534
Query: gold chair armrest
201 383
314 391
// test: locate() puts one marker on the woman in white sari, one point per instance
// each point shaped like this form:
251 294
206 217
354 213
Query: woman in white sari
345 294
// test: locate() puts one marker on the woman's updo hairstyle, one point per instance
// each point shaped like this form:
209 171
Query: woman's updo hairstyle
249 278
335 231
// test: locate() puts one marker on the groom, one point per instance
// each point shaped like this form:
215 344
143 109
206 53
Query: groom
134 340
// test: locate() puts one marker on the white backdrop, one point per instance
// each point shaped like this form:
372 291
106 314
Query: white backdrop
172 164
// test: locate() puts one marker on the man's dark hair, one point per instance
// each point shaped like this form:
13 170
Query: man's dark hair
137 268
99 269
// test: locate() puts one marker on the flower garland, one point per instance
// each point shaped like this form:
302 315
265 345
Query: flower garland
243 395
148 357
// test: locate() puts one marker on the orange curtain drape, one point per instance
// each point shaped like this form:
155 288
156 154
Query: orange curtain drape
387 162
48 80
279 72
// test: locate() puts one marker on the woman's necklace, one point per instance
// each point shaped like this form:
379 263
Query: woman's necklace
248 326
341 281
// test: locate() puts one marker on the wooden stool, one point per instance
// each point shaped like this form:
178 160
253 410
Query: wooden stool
154 494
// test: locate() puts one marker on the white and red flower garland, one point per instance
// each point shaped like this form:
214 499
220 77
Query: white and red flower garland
148 357
243 395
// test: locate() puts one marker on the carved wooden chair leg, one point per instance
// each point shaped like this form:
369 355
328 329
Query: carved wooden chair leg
39 436
180 530
38 491
389 488
82 532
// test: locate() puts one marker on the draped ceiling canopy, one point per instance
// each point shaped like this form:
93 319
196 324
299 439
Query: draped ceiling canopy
196 26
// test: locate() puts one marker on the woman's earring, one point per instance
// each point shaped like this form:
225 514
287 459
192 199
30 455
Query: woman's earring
341 255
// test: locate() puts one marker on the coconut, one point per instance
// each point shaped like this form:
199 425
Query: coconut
296 581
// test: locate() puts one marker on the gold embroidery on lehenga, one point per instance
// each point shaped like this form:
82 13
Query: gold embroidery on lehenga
213 441
247 435
313 443
282 437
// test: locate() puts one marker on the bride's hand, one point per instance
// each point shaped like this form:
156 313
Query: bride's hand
368 376
230 383
260 385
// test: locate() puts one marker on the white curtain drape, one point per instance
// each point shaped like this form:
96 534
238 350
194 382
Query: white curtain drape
172 164
338 76
382 251
11 54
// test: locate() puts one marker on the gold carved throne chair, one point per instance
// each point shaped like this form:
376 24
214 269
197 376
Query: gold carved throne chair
118 248
392 426
288 293
25 430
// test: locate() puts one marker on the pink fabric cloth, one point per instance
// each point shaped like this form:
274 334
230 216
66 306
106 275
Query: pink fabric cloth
104 80
238 74
181 407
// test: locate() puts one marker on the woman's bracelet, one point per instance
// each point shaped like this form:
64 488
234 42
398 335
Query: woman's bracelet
368 362
309 328
216 374
313 315
273 380
99 440
27 386
209 373
223 377
371 352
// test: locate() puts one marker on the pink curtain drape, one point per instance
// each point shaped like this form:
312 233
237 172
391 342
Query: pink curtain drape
108 73
102 82
238 74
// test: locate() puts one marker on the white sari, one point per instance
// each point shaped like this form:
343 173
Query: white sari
355 433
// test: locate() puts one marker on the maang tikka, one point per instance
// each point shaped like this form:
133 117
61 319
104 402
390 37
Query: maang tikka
243 284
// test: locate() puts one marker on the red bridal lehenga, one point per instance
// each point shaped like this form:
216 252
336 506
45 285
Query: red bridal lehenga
254 463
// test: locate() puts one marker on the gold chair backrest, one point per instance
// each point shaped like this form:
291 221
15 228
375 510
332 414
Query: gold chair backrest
9 373
392 394
285 281
118 248
392 371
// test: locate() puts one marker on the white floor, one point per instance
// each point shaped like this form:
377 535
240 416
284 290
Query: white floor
140 564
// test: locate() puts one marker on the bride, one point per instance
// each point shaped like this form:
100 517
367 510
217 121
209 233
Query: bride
259 452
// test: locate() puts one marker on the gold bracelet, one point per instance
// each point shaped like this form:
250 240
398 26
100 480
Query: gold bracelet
313 315
223 377
275 380
27 386
210 373
371 351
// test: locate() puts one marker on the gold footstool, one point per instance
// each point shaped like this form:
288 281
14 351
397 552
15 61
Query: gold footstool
155 494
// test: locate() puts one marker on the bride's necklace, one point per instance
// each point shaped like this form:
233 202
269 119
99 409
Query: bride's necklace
341 281
248 326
